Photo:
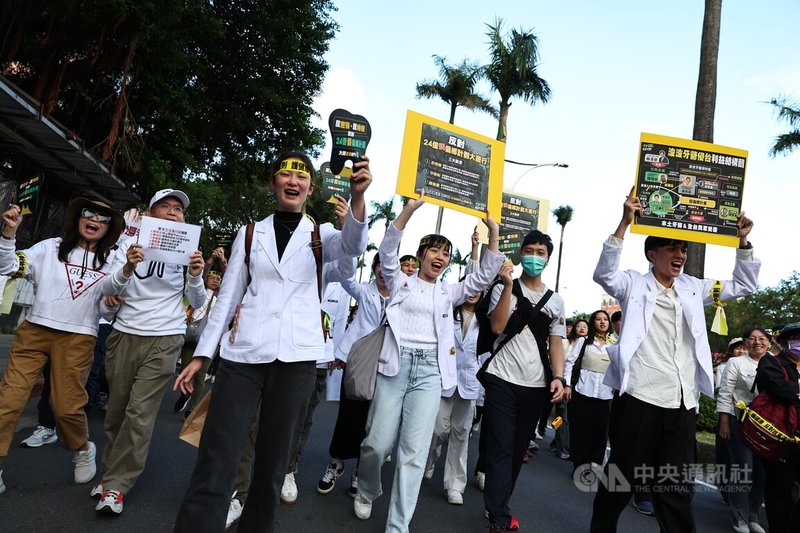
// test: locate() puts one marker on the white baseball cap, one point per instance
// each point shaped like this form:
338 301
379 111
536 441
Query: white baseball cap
163 193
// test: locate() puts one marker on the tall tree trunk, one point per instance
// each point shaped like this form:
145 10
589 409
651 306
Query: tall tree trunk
560 250
502 123
119 110
704 107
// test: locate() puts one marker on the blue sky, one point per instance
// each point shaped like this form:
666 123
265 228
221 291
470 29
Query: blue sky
616 69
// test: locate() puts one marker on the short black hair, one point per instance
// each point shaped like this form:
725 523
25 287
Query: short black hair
616 315
537 237
654 243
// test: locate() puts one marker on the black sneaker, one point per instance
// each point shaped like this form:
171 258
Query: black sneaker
183 401
332 473
353 490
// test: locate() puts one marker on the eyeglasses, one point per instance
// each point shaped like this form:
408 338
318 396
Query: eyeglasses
170 208
755 340
89 213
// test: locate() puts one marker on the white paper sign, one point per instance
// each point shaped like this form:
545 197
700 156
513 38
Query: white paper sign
167 241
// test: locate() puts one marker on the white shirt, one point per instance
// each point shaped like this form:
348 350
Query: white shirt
518 361
737 380
663 368
590 383
417 330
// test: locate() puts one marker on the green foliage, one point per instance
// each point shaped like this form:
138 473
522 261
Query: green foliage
166 91
580 316
456 87
765 307
382 211
707 417
512 69
789 112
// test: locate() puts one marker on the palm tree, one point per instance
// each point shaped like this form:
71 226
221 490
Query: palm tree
788 112
362 262
512 70
704 106
459 259
563 215
456 86
382 211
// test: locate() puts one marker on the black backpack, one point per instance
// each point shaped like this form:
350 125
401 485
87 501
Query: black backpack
526 314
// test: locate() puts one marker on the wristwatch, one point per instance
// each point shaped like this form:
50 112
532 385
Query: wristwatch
561 379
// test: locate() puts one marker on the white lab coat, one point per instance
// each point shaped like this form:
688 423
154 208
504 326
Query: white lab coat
637 293
467 364
280 310
445 297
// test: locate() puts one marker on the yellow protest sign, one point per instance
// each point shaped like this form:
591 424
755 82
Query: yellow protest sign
690 190
458 169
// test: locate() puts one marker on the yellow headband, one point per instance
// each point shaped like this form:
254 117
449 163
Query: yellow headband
294 165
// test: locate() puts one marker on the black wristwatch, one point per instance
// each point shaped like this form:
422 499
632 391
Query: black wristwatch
747 246
561 379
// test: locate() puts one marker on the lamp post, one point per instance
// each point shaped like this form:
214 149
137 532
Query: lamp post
533 166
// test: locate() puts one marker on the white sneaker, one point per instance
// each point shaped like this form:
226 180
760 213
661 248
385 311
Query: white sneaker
454 497
85 467
755 527
41 436
741 526
388 459
110 502
362 507
480 480
97 490
428 473
2 485
234 513
289 490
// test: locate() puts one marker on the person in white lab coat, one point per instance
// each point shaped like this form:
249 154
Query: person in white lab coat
659 367
269 355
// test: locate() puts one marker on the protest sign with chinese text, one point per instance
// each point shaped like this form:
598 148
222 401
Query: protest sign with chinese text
458 169
167 241
690 190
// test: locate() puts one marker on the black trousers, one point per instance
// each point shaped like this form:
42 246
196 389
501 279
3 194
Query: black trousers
657 438
783 513
284 390
510 413
350 429
589 419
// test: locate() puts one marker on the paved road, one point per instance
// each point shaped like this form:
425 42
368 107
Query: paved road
42 498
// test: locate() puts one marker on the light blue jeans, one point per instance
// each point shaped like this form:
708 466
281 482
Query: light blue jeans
408 401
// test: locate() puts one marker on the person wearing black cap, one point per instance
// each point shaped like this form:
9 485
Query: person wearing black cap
779 376
659 367
61 326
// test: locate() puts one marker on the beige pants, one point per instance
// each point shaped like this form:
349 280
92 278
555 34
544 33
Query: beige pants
71 356
138 370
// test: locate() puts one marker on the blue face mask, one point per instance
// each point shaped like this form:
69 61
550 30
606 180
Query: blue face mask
533 265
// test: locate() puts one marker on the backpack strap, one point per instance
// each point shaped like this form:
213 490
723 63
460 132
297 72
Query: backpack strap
576 368
527 319
248 244
316 247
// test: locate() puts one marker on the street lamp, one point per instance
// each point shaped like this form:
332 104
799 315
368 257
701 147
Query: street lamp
533 166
